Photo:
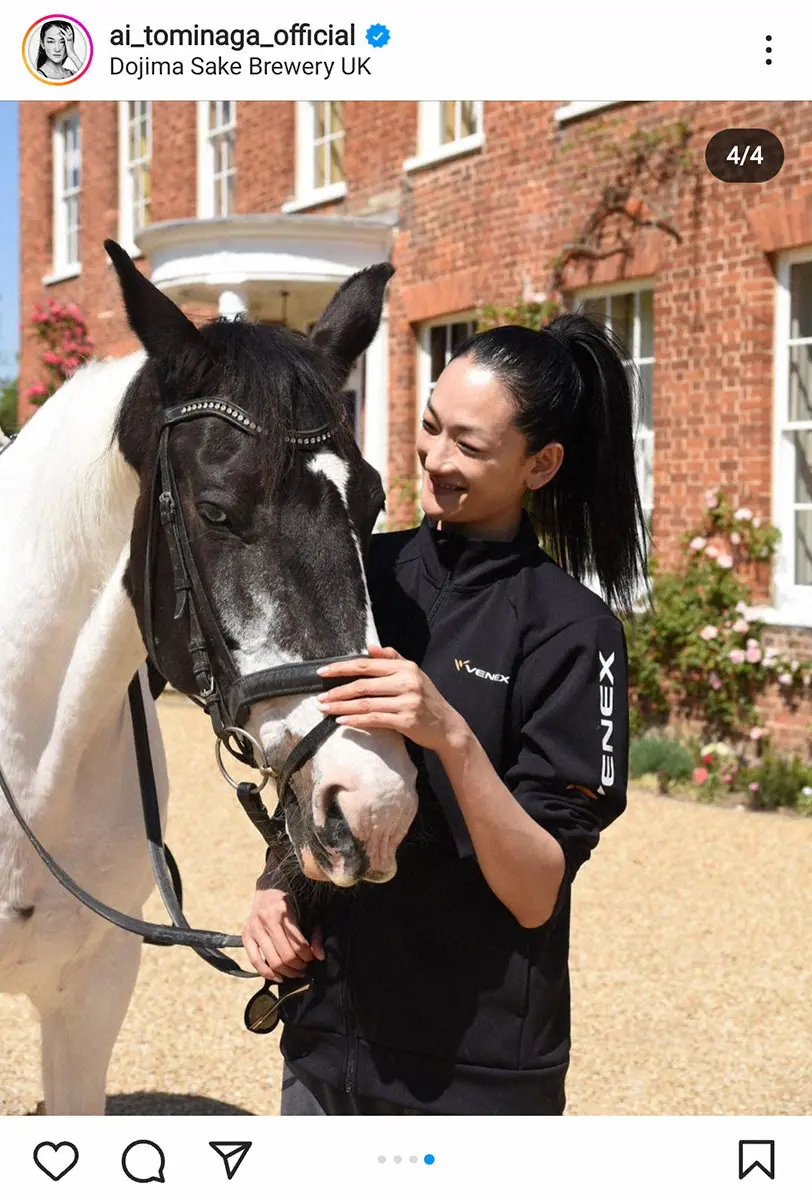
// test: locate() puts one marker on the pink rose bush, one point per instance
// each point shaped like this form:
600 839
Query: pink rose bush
63 332
700 652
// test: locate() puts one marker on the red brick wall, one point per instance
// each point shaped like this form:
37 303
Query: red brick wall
476 229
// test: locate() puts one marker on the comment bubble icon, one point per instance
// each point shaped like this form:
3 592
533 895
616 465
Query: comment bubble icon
144 1162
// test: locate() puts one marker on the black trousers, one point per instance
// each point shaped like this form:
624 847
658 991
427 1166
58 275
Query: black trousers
317 1099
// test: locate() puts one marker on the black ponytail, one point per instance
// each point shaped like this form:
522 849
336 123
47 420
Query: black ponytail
571 384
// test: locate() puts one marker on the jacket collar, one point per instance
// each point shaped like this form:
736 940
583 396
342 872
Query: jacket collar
473 562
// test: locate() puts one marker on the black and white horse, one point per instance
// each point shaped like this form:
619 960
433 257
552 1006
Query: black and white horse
277 532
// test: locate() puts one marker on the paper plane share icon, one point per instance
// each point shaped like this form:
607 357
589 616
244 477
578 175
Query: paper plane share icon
232 1154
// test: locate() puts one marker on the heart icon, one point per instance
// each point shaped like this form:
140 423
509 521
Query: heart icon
56 1159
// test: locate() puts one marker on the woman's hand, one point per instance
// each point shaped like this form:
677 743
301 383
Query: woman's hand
393 694
69 51
275 945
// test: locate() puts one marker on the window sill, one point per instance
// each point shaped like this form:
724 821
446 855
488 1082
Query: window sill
438 154
580 108
62 273
797 615
336 191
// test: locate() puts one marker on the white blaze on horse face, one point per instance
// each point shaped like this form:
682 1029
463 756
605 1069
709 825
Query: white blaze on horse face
369 774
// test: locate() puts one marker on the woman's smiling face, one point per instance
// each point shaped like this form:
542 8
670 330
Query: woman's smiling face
54 45
476 469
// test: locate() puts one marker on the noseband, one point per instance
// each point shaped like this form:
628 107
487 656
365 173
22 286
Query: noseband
227 696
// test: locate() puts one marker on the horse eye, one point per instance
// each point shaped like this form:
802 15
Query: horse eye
212 514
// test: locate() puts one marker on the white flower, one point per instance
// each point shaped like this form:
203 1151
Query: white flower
785 678
756 522
736 538
711 498
736 656
756 733
753 642
741 607
698 543
708 633
725 561
711 552
740 626
742 514
794 665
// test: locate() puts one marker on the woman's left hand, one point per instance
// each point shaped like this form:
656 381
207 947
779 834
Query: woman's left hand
393 694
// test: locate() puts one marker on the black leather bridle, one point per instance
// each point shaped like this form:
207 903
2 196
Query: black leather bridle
227 700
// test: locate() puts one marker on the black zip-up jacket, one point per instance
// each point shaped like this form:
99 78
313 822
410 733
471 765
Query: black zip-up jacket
432 995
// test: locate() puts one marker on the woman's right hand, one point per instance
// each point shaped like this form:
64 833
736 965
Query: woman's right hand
275 945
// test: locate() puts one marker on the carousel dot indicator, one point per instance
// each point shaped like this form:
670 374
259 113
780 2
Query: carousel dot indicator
397 1158
428 1158
381 1158
412 1158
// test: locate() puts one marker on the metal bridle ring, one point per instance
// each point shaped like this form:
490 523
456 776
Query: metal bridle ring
266 771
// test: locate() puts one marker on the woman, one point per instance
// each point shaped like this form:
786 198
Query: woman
446 990
56 51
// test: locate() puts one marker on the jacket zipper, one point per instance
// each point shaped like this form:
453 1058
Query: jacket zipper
352 1033
446 584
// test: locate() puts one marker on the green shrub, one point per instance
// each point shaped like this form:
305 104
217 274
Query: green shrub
778 783
659 756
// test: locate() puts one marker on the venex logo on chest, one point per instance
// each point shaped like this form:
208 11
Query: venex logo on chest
465 663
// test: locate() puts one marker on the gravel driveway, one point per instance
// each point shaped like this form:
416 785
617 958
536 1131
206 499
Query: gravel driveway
691 971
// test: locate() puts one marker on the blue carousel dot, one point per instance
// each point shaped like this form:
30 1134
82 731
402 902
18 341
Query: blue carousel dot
428 1158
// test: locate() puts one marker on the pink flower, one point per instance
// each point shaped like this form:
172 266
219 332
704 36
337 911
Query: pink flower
711 498
715 681
725 561
736 656
753 654
785 678
757 522
698 543
756 733
742 514
708 633
740 626
753 787
700 775
711 552
727 779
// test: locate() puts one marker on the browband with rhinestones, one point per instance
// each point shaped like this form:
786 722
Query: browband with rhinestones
241 419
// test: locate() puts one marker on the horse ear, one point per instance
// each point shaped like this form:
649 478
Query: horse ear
351 319
156 320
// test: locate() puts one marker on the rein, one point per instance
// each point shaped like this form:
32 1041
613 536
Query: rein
226 701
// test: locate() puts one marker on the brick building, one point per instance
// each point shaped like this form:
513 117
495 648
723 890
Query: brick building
264 208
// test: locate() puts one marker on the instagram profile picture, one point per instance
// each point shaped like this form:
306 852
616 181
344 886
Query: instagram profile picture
57 49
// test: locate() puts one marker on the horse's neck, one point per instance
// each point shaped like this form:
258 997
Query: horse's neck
69 641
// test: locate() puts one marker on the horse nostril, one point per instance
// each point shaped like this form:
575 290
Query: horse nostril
333 828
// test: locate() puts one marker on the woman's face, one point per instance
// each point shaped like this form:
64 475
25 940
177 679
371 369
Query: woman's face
53 43
476 469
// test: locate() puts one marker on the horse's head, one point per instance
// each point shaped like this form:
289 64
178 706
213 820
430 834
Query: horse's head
276 531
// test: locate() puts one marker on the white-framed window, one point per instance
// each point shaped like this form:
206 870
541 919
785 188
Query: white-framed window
216 157
445 129
792 438
629 312
67 192
320 141
134 170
